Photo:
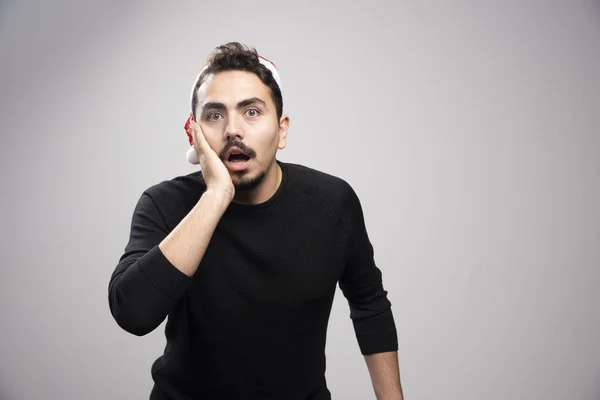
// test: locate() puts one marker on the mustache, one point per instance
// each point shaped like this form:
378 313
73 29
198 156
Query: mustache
236 143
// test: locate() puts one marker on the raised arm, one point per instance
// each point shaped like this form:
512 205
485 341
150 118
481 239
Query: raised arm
156 267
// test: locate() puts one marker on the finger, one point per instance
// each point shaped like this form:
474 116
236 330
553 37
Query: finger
204 150
199 137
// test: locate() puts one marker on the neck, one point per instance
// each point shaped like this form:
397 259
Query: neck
264 191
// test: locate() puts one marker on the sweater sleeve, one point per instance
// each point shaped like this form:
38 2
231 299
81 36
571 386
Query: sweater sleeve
145 287
361 284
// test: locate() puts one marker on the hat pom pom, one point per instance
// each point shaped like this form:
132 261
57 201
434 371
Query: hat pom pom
191 156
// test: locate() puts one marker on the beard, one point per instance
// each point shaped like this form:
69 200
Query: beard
241 181
246 183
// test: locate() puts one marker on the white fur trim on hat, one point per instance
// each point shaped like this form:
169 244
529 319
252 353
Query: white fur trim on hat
192 156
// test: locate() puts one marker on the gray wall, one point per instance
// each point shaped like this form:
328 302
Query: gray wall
470 130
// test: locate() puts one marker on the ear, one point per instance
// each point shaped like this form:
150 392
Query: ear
284 124
188 128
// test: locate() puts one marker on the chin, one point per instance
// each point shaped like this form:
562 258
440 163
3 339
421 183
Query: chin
243 182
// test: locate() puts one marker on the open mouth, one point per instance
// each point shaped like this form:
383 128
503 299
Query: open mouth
238 158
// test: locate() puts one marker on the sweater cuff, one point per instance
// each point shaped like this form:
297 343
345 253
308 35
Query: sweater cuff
376 334
163 275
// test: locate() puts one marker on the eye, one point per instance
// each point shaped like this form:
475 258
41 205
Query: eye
213 116
253 112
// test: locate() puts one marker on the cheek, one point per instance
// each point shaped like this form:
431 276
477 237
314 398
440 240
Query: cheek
269 144
213 135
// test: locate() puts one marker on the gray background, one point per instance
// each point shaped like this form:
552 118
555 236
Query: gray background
470 130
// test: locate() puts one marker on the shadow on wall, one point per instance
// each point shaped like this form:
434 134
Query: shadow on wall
4 396
5 391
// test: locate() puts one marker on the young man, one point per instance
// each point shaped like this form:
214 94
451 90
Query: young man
243 257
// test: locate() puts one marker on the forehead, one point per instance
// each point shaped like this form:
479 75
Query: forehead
230 87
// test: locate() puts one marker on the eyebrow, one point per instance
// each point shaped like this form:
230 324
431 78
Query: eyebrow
241 104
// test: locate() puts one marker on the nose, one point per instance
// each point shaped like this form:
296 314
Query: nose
233 129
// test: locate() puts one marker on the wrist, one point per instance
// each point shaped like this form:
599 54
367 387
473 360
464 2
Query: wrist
220 197
395 395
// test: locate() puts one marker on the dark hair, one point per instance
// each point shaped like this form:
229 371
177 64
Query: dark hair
234 56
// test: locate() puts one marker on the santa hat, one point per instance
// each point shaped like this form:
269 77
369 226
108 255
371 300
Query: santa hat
190 154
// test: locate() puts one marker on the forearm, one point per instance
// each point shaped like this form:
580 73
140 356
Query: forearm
186 244
385 375
156 269
144 290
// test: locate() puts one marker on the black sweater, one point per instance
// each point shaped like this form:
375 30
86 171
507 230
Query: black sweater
251 323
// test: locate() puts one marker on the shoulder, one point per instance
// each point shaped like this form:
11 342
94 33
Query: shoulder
313 181
174 198
182 185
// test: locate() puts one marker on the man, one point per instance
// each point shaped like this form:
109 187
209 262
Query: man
243 257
